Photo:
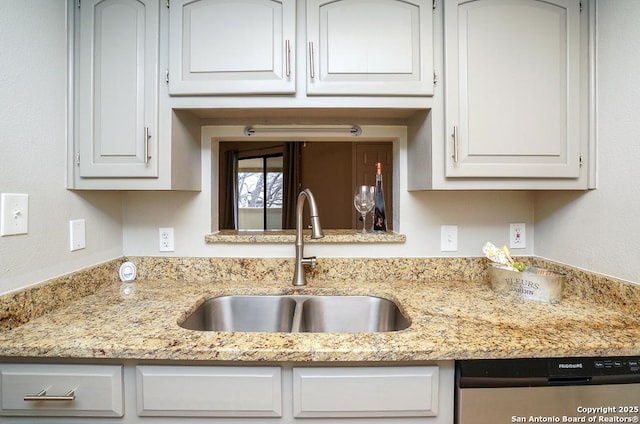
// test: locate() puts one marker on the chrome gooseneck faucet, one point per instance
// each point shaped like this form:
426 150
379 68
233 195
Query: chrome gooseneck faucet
299 277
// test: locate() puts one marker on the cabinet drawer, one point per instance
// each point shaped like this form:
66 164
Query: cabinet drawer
82 390
365 392
209 391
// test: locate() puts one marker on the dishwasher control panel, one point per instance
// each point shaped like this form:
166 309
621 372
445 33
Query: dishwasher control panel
594 366
632 364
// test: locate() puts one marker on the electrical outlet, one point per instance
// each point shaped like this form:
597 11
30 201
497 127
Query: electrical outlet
518 236
448 238
166 239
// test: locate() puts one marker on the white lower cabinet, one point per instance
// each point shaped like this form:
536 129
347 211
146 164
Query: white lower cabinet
365 392
186 391
286 393
45 390
290 394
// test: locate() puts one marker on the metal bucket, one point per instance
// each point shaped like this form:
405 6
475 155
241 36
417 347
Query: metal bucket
539 284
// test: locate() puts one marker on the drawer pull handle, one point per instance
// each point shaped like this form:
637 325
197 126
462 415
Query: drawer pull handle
42 395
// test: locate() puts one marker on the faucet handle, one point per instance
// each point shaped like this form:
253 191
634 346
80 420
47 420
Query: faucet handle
311 261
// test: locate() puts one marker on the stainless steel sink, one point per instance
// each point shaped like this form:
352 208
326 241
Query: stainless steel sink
243 313
351 314
297 313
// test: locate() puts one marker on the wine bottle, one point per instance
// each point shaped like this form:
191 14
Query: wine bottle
379 214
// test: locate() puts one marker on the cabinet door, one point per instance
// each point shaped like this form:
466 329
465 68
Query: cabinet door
188 391
365 392
512 88
382 47
117 88
232 47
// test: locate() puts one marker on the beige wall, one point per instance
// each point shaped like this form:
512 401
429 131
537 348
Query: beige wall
33 84
481 216
600 230
597 230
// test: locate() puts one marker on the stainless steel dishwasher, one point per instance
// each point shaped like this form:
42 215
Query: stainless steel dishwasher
555 390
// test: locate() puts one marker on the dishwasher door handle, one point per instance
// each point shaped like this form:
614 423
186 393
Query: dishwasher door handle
569 381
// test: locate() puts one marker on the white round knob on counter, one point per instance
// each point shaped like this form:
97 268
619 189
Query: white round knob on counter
128 271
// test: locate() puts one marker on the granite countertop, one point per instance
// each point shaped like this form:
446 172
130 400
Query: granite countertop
289 236
450 319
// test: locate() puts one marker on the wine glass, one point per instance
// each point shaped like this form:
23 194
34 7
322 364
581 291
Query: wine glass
363 201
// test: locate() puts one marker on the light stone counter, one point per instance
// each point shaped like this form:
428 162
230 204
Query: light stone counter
453 311
289 236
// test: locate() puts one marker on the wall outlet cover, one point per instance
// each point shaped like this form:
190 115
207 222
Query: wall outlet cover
166 239
518 235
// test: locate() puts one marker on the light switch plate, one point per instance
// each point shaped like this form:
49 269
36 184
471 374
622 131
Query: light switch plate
448 238
77 234
14 214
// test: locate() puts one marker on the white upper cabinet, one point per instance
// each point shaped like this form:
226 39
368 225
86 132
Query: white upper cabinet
352 47
124 134
370 47
117 74
231 47
513 88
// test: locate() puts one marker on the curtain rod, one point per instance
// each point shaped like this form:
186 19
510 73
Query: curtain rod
354 130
